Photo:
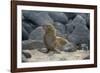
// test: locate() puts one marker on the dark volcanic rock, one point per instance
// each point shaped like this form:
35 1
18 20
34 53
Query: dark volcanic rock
79 20
69 47
86 16
60 27
32 44
24 34
26 54
37 34
24 59
59 17
39 18
69 28
79 35
70 15
27 26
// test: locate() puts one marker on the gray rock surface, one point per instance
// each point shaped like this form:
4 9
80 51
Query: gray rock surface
86 16
79 35
24 59
26 54
75 23
77 30
69 47
79 20
27 26
24 34
69 28
60 27
37 34
70 15
59 17
32 44
40 18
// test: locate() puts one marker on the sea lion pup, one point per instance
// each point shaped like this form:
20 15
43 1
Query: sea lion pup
51 41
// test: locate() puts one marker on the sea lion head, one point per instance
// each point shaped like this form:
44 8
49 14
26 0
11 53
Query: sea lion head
48 27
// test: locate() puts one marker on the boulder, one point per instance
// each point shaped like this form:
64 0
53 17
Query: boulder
38 17
77 30
60 27
32 44
86 16
59 17
69 47
37 34
72 24
79 20
24 59
27 26
26 54
79 35
69 28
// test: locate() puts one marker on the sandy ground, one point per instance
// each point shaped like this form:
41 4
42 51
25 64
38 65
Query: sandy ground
38 56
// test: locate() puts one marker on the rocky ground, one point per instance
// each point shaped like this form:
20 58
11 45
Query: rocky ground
37 56
71 26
